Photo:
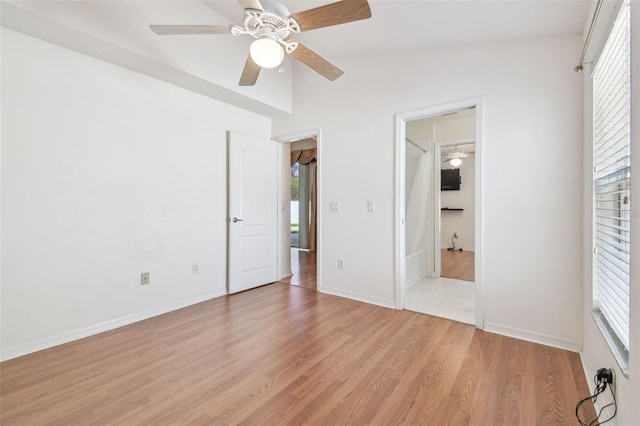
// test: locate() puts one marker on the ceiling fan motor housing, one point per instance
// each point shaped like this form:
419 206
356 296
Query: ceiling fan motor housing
273 22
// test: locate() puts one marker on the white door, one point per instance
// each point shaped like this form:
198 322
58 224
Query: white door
252 212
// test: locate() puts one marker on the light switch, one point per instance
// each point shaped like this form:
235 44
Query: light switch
334 206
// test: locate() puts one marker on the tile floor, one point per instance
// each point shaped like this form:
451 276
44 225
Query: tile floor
443 297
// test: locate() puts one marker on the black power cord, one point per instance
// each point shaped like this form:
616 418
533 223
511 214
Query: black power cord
603 377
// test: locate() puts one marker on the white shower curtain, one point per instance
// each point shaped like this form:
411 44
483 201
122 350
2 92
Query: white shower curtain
419 214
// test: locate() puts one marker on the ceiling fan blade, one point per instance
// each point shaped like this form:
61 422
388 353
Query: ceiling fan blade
316 62
333 14
251 4
190 29
249 73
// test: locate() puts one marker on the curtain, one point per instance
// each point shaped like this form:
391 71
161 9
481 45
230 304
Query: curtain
294 156
308 156
305 156
418 215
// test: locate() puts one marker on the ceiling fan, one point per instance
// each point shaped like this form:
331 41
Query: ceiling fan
455 157
271 24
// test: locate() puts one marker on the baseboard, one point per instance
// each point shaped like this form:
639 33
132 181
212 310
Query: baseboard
587 367
70 336
531 336
458 248
289 274
356 296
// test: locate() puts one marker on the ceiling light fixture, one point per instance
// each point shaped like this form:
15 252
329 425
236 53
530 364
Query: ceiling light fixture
266 52
455 162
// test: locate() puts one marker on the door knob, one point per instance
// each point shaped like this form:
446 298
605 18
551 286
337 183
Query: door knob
235 219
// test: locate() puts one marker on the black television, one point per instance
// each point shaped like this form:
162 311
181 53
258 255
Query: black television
450 179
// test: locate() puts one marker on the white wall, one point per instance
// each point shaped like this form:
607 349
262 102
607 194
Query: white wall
106 173
532 106
203 64
596 354
455 129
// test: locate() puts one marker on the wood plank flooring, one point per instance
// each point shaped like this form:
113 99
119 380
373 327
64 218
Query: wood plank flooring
457 264
286 355
304 269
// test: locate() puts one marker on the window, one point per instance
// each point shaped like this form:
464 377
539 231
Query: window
611 179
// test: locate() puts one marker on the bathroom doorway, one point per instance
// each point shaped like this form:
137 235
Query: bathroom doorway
439 177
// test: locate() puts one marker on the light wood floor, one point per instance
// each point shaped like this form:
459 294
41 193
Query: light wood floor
304 269
286 355
457 264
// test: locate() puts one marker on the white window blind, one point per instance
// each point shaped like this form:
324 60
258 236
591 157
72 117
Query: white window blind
611 178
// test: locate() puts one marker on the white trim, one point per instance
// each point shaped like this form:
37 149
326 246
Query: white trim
399 210
400 267
279 255
292 137
356 296
479 230
437 208
80 333
532 336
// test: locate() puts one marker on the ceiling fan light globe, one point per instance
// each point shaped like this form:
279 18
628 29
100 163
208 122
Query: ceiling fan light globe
455 162
266 52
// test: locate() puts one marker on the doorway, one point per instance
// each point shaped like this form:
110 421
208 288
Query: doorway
457 199
437 187
301 216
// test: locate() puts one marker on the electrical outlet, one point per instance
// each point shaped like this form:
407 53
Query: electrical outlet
605 375
195 269
144 278
340 263
371 206
334 206
612 385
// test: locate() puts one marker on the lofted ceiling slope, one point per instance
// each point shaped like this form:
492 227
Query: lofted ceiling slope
117 31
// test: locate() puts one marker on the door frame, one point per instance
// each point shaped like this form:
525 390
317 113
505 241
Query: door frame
285 163
400 152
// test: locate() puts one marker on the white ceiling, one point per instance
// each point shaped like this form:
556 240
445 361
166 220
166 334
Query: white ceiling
116 27
394 25
418 24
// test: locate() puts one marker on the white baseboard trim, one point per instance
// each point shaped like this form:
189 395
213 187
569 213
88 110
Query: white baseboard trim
289 274
69 336
532 336
587 367
356 296
457 248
